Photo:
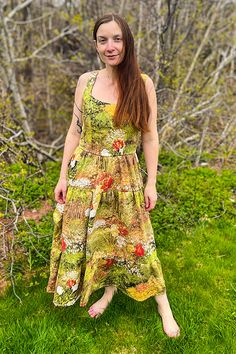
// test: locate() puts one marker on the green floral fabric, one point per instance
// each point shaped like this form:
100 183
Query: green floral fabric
103 234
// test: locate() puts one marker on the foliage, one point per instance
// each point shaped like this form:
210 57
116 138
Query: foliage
25 188
28 185
188 197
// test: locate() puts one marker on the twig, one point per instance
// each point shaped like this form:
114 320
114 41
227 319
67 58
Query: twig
12 251
18 8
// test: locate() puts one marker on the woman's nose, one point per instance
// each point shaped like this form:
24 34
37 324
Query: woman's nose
110 45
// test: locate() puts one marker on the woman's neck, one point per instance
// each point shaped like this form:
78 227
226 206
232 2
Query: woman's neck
110 74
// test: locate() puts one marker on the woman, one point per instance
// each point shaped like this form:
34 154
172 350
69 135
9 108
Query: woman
103 236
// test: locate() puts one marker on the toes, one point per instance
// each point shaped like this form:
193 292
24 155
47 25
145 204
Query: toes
173 334
92 314
177 334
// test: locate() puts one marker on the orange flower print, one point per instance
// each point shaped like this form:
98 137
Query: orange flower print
118 145
142 287
107 183
63 244
109 262
71 282
139 250
123 230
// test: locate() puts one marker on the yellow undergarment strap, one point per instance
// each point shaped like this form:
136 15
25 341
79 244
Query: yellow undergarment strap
144 76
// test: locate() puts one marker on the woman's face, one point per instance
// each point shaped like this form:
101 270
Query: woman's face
110 44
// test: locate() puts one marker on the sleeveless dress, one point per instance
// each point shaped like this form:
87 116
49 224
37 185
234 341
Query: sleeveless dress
102 234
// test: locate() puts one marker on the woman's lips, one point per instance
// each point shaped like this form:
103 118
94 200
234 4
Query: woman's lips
111 56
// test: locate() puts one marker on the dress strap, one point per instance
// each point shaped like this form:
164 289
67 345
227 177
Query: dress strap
144 76
91 80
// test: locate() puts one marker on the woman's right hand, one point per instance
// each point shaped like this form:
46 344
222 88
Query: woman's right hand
60 191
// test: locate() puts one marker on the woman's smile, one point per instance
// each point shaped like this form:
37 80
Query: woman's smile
112 56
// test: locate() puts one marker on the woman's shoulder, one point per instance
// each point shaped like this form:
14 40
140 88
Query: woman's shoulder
145 76
83 80
82 83
149 84
85 76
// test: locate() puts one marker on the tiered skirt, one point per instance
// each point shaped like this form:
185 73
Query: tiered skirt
102 234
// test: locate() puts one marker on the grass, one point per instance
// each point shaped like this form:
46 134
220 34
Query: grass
200 278
194 224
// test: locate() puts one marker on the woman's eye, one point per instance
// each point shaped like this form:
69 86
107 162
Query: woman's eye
104 40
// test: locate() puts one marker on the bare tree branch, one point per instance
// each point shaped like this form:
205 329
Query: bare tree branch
18 8
64 33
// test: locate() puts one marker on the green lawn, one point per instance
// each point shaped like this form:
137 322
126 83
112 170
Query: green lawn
194 224
200 279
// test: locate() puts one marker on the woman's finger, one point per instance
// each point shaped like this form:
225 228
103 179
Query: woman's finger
58 196
64 195
147 201
152 203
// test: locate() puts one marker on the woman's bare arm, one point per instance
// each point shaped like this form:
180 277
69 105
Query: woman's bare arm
150 140
73 135
72 139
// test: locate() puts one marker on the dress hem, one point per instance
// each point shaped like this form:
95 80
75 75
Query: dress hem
72 302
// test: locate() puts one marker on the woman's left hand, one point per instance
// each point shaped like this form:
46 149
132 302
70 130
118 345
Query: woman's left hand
150 196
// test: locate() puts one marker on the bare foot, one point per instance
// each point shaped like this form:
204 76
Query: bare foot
100 306
170 326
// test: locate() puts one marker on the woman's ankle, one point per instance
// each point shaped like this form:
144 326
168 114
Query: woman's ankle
110 289
163 305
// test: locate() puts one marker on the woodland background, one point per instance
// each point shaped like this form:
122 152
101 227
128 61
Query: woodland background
188 48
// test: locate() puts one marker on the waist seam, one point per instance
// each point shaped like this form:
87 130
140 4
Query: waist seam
108 154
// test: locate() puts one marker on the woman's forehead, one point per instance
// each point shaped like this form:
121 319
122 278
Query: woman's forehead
109 28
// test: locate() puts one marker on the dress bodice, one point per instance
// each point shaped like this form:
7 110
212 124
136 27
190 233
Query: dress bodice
99 135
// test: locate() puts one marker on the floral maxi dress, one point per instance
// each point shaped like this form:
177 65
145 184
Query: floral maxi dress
102 234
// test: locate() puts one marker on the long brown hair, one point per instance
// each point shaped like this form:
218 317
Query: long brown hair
132 106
